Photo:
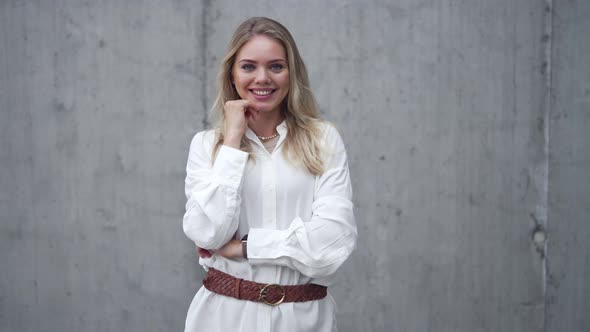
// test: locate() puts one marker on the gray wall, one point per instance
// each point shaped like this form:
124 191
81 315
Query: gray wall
568 252
466 123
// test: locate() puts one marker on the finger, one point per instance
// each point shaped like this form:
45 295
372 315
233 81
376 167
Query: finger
253 106
204 252
255 114
250 115
242 104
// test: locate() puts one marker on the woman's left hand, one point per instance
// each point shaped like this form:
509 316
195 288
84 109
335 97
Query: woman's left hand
232 249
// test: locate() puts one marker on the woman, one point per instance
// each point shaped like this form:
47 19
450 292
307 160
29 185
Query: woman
268 194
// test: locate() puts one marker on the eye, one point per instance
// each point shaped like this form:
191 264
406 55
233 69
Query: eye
248 67
276 67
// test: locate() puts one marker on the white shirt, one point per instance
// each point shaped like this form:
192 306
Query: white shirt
300 228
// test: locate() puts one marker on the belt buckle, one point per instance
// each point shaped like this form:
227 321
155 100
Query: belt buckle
264 292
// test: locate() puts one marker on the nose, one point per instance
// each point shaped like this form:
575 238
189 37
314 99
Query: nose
262 77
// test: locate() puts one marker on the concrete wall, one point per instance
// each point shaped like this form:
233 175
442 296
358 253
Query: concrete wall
568 252
465 123
98 104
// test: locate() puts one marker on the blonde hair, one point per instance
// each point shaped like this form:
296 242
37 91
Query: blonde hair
302 144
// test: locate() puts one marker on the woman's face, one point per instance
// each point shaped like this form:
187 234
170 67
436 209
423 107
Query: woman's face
260 73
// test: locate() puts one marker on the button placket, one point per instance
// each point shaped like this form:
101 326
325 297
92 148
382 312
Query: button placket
269 197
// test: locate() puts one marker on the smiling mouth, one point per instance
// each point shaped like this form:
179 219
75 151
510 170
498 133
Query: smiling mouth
262 92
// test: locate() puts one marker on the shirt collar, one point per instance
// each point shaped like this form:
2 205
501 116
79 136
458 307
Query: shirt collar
281 129
251 135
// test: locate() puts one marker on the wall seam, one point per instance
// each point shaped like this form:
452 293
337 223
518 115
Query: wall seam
204 48
547 105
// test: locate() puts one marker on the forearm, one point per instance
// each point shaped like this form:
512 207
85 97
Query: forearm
213 195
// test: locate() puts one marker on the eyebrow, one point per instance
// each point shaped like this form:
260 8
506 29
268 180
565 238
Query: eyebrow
275 60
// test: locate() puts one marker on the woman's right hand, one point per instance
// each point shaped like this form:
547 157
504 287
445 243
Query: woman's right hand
237 114
204 253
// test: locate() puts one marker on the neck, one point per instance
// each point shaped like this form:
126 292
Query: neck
266 123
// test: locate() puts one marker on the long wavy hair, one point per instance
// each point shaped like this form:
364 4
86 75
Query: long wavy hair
302 144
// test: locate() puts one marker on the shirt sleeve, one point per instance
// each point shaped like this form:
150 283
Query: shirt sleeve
315 247
213 193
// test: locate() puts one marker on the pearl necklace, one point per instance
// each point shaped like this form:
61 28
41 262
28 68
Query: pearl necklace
266 138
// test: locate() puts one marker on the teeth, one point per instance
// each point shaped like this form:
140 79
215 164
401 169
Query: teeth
262 92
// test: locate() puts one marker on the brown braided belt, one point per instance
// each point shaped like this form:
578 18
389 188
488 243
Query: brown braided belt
271 294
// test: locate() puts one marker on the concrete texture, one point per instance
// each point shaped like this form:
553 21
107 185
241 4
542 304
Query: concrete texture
568 250
465 124
98 104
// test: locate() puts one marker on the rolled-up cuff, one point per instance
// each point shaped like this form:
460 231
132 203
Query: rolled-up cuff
229 166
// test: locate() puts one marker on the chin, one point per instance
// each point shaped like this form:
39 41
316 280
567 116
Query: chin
266 107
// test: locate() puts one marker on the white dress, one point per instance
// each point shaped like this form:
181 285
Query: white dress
300 228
